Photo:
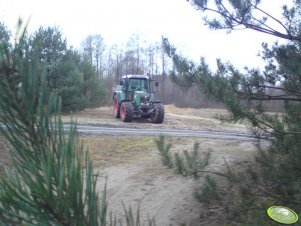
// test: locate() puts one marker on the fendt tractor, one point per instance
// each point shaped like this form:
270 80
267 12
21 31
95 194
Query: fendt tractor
135 97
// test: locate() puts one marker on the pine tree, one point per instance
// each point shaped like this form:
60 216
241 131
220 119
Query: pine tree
246 93
52 181
68 72
4 34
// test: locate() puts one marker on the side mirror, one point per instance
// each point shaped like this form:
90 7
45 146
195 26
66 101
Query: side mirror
121 82
156 83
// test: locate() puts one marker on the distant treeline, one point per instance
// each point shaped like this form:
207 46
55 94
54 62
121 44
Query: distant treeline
84 77
68 71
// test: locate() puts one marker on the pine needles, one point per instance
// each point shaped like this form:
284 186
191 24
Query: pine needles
164 151
185 163
52 181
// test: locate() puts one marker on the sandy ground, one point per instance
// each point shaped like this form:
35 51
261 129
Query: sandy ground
136 176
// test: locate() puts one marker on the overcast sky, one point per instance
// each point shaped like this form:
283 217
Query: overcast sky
116 20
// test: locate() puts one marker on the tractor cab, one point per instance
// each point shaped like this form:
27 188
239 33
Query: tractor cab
135 86
139 84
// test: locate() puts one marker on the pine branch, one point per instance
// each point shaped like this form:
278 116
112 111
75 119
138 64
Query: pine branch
227 16
273 18
50 184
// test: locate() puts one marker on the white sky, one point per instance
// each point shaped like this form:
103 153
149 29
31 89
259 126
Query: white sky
116 20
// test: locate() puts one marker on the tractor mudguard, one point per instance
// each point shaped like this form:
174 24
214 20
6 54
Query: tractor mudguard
118 95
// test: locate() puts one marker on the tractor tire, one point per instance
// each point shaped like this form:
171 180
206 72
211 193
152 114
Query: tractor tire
126 111
116 107
158 115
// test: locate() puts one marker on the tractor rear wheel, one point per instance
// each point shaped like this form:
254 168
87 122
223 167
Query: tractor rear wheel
158 115
116 107
126 111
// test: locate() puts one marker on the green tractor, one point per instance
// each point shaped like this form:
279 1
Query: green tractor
133 98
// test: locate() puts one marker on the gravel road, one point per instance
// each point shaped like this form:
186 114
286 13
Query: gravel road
86 129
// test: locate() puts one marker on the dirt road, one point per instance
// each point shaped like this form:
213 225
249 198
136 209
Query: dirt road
87 129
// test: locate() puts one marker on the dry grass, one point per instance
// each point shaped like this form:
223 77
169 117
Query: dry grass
110 150
107 112
175 118
113 150
209 113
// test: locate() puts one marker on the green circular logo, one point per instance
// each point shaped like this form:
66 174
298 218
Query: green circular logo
282 214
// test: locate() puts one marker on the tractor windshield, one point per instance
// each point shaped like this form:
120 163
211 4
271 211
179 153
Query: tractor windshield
138 84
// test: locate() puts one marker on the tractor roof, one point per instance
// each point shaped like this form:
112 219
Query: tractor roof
135 76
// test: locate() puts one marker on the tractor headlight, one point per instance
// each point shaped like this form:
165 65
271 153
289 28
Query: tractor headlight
144 104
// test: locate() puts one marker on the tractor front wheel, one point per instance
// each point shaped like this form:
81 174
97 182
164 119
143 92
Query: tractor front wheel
158 115
126 111
116 107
